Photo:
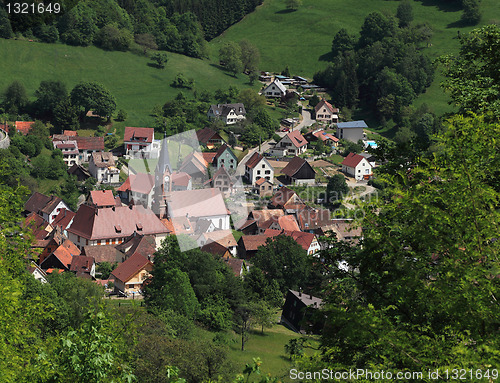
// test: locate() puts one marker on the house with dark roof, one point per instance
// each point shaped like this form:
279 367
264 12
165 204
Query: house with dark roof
140 143
239 266
258 167
311 220
325 112
130 275
61 257
103 169
82 265
225 157
228 113
196 166
87 146
209 138
357 166
222 237
351 131
299 172
308 241
216 249
64 220
47 207
284 197
108 226
248 245
223 181
144 245
81 173
275 89
104 253
39 227
293 143
298 312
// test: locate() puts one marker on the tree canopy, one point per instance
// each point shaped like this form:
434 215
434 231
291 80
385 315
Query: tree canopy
93 96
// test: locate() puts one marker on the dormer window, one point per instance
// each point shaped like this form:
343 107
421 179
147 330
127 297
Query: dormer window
138 225
118 228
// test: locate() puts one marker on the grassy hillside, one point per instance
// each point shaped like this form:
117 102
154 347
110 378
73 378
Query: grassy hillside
302 39
136 85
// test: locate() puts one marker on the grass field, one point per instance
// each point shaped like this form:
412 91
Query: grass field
137 86
302 39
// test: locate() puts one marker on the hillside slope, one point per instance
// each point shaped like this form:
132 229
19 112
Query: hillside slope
302 39
137 86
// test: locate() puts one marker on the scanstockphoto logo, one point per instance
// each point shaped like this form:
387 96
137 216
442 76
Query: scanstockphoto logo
200 195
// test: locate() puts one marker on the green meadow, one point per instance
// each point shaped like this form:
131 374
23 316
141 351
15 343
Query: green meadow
302 39
137 86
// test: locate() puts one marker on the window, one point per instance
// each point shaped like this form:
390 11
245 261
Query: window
268 172
86 242
258 171
263 166
78 240
220 223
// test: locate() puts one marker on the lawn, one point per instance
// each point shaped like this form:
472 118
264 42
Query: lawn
302 39
137 86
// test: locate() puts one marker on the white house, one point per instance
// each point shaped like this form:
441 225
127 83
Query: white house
357 166
47 207
293 143
258 167
69 151
274 89
199 204
138 188
140 143
103 169
325 112
228 113
351 131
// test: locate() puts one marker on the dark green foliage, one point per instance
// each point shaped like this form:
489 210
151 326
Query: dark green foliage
343 42
93 96
78 26
47 33
5 27
471 14
181 81
160 58
230 57
293 4
15 98
49 94
285 261
250 57
286 72
122 115
263 289
66 115
105 269
473 79
404 13
375 27
337 189
112 38
351 147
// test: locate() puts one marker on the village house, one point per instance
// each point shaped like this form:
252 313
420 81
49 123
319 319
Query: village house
107 226
103 169
199 204
293 143
81 173
209 138
196 166
308 241
222 237
23 127
357 166
345 230
137 189
351 131
239 266
59 258
325 112
286 222
69 151
263 188
83 266
299 172
86 145
275 89
130 275
181 181
225 157
47 207
101 198
319 134
63 220
223 181
258 167
228 113
298 312
248 245
285 198
140 143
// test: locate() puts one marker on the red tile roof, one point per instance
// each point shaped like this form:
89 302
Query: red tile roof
352 160
209 156
253 242
215 249
254 160
260 181
302 238
298 140
131 267
196 203
37 224
70 133
282 196
180 179
138 134
288 223
90 143
206 134
63 218
121 221
323 136
222 237
24 127
102 198
140 183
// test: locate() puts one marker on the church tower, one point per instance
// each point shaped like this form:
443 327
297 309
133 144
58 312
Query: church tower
163 180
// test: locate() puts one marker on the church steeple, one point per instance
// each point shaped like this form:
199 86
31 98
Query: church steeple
163 179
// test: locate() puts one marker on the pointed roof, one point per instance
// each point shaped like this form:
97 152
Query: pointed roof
352 160
102 198
164 159
294 166
254 160
324 103
131 267
278 84
64 218
138 134
81 264
298 140
206 134
222 149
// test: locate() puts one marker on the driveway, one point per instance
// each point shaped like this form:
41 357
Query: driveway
352 184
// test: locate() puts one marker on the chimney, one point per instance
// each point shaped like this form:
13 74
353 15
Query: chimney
300 293
310 296
130 206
